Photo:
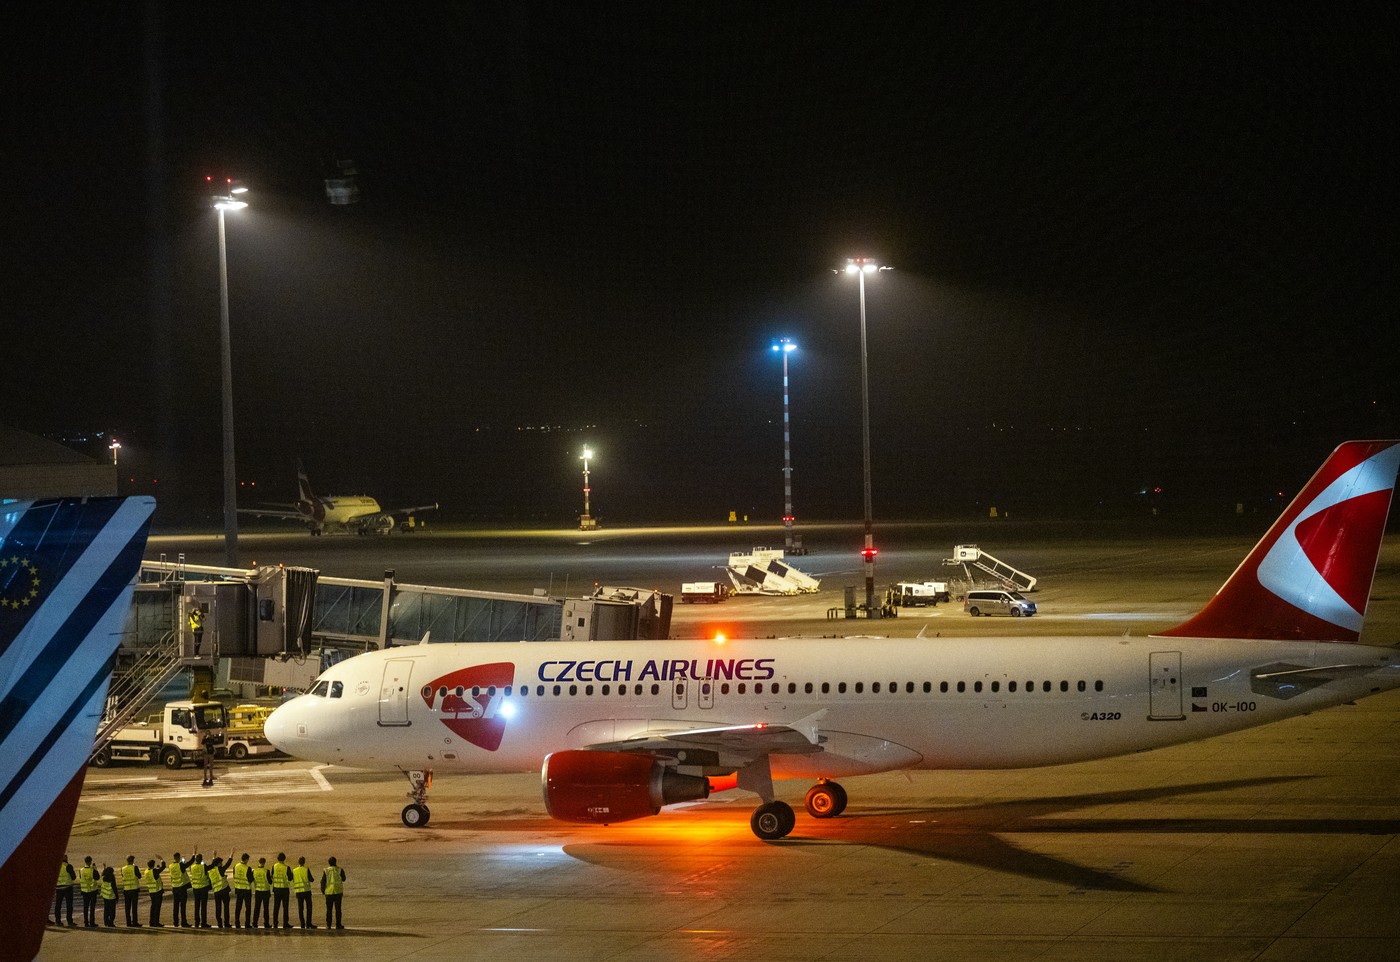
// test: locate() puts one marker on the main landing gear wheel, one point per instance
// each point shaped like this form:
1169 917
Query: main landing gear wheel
415 815
825 800
773 820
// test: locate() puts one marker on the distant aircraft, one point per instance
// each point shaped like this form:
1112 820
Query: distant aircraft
66 573
620 729
352 513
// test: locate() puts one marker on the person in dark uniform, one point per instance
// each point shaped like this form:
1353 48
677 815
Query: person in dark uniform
89 881
242 893
197 627
108 887
301 885
262 892
155 890
179 892
131 891
333 887
218 887
63 893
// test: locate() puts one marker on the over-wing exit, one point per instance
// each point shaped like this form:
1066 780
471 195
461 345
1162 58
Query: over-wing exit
620 729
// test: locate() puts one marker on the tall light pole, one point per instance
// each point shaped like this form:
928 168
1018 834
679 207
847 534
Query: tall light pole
860 266
586 522
223 202
785 346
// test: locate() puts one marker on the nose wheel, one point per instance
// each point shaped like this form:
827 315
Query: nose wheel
416 813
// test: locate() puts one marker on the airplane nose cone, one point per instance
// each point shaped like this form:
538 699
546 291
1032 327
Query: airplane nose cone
283 730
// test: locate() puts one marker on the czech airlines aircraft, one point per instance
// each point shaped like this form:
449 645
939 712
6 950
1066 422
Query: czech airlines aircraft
357 513
619 729
66 573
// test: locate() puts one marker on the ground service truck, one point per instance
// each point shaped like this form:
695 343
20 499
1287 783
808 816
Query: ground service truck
171 737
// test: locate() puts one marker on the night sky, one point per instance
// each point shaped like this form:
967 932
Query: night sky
1137 248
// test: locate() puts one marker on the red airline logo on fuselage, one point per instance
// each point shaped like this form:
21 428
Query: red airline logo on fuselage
468 701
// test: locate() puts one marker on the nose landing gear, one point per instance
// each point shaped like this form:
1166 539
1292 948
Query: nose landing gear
416 814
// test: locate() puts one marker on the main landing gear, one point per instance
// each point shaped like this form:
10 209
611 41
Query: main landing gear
774 819
416 814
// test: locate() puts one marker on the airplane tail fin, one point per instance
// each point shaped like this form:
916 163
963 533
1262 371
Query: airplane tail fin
67 569
1309 577
304 492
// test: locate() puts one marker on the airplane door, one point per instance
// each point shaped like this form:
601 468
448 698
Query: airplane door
678 695
705 694
393 692
1164 692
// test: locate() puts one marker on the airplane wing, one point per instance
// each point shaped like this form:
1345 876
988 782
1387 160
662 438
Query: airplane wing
421 507
273 513
727 748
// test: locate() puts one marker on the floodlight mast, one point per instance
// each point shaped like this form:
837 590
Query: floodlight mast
860 266
223 202
586 521
785 346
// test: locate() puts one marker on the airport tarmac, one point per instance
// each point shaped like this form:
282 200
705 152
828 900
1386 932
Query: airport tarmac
1273 844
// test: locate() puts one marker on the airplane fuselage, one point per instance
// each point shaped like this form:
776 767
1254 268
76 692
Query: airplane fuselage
870 705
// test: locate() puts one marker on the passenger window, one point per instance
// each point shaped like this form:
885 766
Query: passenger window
607 689
655 688
976 686
943 687
928 687
557 690
724 688
1081 686
573 690
807 688
996 686
1098 686
962 686
1064 686
588 689
875 687
743 688
826 687
841 688
860 687
792 688
1045 686
1010 686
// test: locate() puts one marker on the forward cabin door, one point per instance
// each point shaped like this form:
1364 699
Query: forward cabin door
393 692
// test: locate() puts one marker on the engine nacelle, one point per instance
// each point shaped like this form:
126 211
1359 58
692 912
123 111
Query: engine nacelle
603 787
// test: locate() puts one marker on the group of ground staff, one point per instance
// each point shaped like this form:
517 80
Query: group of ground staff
251 888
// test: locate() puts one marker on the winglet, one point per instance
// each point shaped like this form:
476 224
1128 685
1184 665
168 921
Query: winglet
1309 577
67 569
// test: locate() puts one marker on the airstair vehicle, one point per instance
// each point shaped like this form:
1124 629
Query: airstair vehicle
763 571
970 556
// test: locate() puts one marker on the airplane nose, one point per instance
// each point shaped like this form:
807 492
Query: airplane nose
283 729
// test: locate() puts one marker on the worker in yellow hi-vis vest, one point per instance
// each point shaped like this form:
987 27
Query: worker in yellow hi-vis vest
333 887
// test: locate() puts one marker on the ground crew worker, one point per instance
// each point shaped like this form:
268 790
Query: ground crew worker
301 885
333 886
131 891
282 891
208 743
155 890
63 892
108 888
262 892
199 884
179 892
242 893
89 881
197 627
218 887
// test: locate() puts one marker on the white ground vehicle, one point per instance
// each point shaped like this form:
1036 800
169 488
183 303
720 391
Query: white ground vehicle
704 592
171 737
916 594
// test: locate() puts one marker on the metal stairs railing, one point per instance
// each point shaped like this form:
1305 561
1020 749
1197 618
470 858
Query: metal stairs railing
134 687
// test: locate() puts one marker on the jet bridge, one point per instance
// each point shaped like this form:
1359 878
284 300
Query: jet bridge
970 556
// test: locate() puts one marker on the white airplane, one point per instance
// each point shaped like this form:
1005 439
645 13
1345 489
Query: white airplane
619 729
357 513
67 568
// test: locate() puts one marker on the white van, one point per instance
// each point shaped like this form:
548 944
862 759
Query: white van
996 601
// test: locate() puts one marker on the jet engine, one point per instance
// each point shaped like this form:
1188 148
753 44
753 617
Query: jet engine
603 787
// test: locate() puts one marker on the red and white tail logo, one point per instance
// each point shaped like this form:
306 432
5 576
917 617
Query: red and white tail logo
1309 578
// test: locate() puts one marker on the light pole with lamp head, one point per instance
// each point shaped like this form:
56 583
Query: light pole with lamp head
785 346
586 521
223 202
860 266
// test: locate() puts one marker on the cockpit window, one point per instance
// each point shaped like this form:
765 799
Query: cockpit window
321 688
337 689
